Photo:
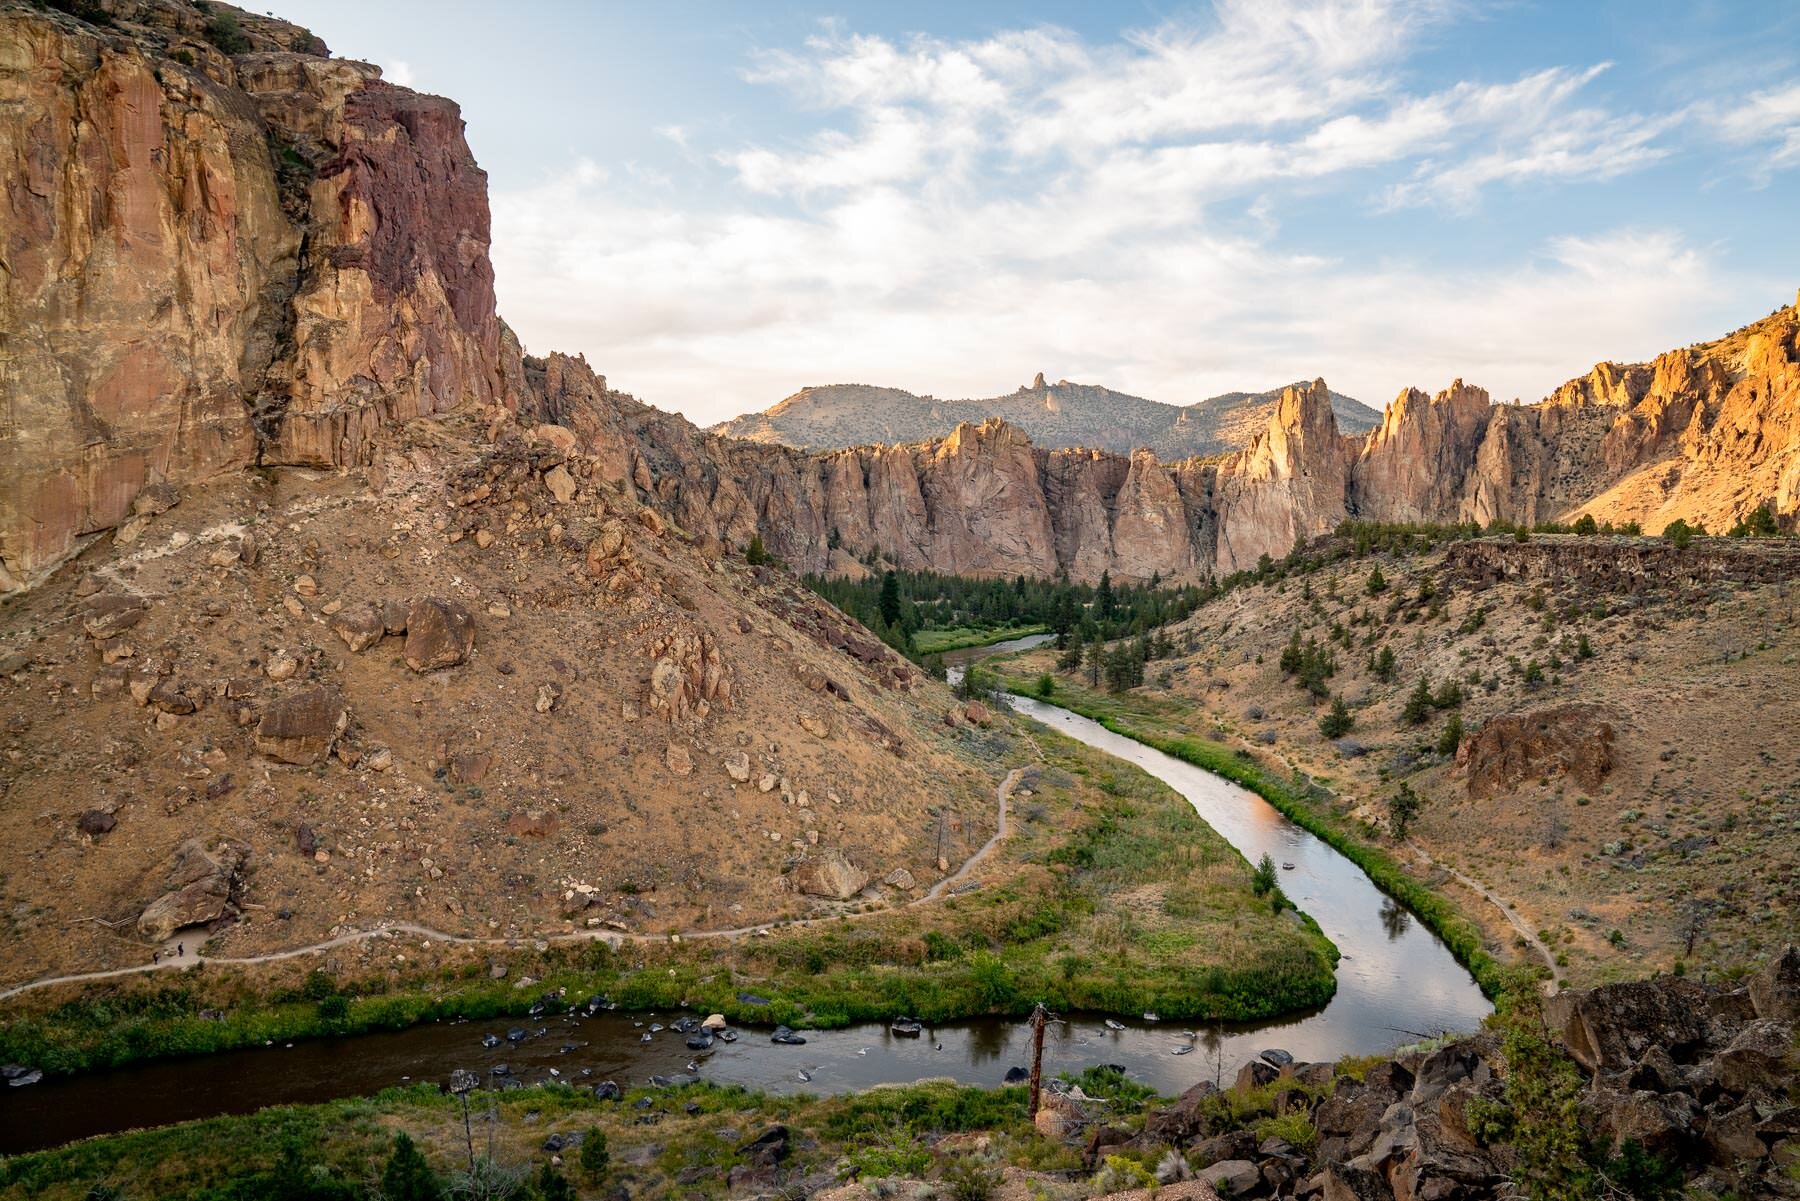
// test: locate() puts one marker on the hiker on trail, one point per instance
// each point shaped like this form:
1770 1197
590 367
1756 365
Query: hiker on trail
180 950
154 956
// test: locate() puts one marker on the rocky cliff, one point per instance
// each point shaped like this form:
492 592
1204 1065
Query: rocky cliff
224 248
221 247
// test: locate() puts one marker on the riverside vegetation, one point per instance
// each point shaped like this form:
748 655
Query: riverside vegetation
1621 1091
1109 894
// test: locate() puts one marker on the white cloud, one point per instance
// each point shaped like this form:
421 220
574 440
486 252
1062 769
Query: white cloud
1768 122
398 72
958 214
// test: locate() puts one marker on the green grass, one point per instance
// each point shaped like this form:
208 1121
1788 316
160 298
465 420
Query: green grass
1130 714
956 638
344 1144
1110 895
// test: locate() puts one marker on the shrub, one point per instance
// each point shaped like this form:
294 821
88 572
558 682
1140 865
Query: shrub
968 1179
756 554
1377 583
1264 879
224 32
1451 738
1678 533
1046 685
1586 526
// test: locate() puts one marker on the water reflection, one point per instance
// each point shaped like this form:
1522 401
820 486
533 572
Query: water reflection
1396 982
1395 918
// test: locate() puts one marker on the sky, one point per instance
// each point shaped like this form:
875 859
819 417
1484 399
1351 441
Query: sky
721 203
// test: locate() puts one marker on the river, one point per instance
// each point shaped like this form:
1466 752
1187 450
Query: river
1397 981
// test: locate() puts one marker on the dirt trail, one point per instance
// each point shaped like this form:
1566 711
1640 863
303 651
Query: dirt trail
1499 902
1002 795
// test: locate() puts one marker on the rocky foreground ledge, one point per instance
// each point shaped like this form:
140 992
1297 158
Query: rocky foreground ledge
1642 1089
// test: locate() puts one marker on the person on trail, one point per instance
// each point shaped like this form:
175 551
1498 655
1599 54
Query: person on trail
154 956
180 951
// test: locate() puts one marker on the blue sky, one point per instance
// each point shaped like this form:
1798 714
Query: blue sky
721 203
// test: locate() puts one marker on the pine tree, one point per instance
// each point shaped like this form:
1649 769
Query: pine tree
552 1185
407 1176
1451 738
1336 723
595 1158
890 598
1403 806
1377 582
1103 596
1384 664
755 554
1418 704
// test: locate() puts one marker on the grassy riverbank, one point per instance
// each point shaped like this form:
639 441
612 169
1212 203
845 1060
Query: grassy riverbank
1158 723
1110 895
661 1142
957 638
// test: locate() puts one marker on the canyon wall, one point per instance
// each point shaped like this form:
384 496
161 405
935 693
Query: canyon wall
224 248
216 259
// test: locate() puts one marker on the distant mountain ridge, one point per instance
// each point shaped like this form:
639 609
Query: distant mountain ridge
1062 415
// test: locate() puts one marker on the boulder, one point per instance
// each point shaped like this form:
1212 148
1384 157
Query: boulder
360 626
1059 1119
1608 1029
737 766
1660 1123
1254 1074
1759 1057
393 617
560 483
1353 1182
978 714
767 1149
199 883
828 874
1187 1117
1221 1148
1232 1177
1775 990
1391 1078
439 633
1442 1068
678 759
1434 1167
1731 1138
900 878
110 616
302 726
96 822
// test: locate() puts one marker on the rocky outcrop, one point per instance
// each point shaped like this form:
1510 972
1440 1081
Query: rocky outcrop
1573 741
1692 1074
1290 484
213 258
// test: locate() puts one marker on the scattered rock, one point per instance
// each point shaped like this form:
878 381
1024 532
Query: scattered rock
900 878
110 616
737 766
360 626
677 759
560 483
301 727
305 585
95 822
439 633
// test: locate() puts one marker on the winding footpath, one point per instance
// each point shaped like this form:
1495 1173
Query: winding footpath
1003 795
1505 907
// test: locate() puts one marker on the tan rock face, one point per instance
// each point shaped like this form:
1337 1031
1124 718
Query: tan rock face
132 179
